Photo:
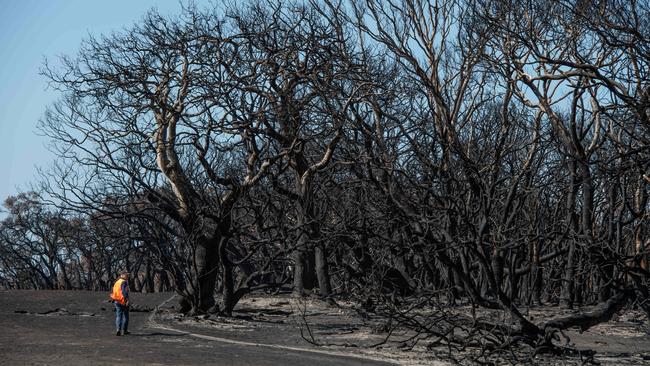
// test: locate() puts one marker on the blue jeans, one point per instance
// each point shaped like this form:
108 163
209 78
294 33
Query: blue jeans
121 317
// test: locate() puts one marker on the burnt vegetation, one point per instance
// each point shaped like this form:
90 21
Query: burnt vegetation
407 154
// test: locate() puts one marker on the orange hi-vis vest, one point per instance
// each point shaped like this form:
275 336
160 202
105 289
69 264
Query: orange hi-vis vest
117 294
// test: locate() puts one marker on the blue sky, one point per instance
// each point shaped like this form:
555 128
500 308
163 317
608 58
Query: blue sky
31 30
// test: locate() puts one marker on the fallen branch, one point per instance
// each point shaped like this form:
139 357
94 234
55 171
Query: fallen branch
587 320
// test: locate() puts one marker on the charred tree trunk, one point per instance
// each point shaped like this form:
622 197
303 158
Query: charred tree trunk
497 268
228 301
310 263
322 270
206 268
536 274
303 270
229 297
148 277
568 279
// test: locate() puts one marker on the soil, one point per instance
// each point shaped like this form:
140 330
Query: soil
77 328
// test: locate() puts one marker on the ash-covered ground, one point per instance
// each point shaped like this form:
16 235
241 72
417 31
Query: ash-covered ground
77 328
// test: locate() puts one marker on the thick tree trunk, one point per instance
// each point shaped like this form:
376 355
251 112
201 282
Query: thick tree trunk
303 267
229 297
298 257
497 268
206 268
322 271
228 300
305 257
513 278
148 277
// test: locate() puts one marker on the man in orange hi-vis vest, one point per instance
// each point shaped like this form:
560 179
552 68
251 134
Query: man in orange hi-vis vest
120 296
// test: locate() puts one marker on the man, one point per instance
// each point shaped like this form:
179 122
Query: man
120 296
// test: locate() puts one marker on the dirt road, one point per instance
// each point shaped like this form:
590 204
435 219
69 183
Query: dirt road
81 332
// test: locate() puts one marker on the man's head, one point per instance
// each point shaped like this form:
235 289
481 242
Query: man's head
124 275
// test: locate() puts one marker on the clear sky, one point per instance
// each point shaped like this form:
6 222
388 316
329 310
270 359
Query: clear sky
31 30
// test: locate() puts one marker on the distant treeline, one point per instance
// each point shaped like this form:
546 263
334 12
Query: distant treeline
47 248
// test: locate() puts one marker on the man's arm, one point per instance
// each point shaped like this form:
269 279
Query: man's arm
125 292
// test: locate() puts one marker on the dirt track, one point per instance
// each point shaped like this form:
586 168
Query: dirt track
83 334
